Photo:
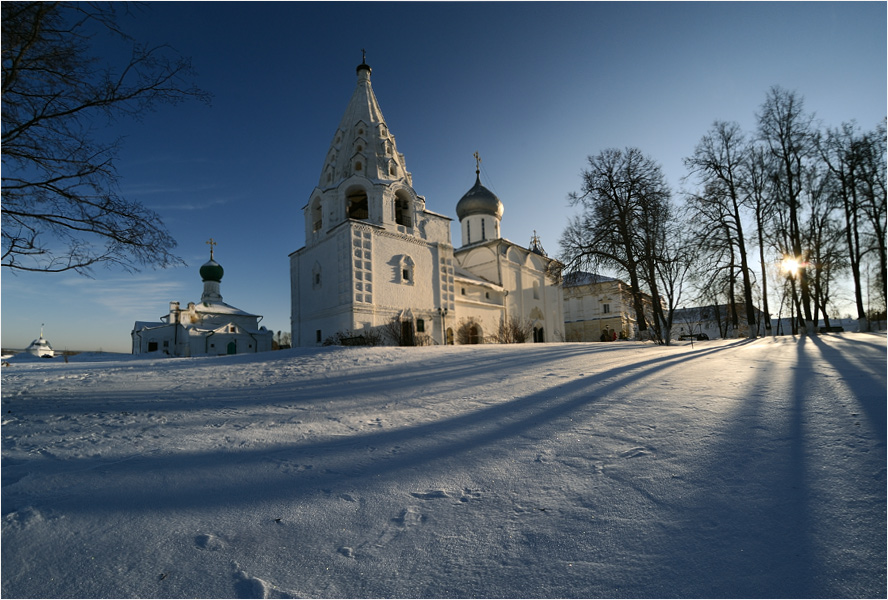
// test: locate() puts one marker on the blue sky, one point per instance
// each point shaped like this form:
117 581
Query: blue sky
534 87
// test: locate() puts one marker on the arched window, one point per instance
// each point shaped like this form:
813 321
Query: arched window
406 270
403 212
357 204
536 290
317 216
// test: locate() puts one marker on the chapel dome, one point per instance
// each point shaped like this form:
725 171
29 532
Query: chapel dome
211 271
479 201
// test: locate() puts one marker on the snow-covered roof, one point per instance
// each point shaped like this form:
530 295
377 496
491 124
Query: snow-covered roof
461 274
221 308
582 278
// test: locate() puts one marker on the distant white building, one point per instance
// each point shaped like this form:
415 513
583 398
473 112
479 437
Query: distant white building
714 321
40 347
597 308
375 257
209 327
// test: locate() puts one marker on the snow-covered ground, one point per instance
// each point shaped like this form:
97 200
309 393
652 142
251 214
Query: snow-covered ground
732 468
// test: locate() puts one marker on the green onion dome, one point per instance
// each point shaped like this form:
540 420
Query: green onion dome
211 271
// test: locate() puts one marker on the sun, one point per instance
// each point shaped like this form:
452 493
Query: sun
790 266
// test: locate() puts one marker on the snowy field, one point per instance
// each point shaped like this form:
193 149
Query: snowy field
728 469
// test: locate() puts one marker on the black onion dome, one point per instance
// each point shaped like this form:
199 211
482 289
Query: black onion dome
479 201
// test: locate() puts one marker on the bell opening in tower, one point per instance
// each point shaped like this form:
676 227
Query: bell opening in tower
357 206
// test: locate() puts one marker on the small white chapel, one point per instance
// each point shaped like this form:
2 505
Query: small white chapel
210 327
375 254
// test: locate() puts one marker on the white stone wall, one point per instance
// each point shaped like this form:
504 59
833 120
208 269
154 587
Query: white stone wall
321 288
479 228
528 293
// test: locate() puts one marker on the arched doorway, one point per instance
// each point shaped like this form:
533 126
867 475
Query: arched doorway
474 334
449 341
232 347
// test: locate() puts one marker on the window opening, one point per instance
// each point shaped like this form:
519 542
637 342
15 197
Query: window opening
420 325
357 205
402 211
317 215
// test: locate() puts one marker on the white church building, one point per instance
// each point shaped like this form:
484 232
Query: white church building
375 257
210 327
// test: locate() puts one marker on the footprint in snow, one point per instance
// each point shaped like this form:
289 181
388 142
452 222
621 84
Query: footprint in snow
246 586
469 494
430 495
208 542
409 517
636 452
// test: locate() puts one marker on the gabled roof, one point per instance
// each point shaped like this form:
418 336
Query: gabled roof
583 278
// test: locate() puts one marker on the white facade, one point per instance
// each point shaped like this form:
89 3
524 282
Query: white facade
210 327
596 308
374 253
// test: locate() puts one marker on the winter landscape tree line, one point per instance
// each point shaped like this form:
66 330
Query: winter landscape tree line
804 202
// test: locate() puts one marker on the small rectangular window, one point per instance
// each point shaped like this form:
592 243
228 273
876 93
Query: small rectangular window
405 274
606 308
420 325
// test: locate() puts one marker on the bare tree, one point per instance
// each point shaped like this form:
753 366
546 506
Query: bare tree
759 198
822 234
512 330
61 207
718 161
624 200
677 258
873 150
787 131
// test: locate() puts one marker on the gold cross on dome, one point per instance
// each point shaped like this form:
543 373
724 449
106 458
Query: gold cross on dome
211 242
477 161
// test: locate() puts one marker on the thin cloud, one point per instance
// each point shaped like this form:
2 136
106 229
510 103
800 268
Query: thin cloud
138 297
